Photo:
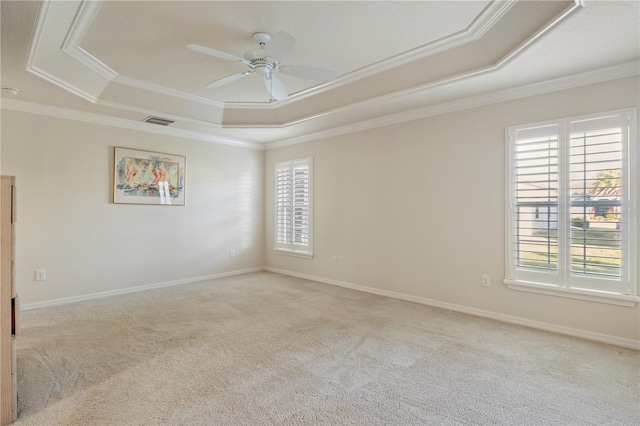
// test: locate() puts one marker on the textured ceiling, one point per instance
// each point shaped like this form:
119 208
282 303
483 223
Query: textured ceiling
126 60
147 40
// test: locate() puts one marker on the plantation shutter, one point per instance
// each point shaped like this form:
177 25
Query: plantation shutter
283 204
301 205
536 201
572 185
596 167
293 207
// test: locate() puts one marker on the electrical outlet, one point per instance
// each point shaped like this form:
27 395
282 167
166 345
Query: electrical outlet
232 253
334 259
40 274
486 281
341 260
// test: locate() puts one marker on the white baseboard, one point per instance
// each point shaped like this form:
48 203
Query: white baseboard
92 296
589 335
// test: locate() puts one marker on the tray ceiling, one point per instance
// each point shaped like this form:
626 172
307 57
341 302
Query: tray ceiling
148 42
128 60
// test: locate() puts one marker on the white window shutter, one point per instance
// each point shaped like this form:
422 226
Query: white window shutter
301 205
536 200
570 186
283 205
293 209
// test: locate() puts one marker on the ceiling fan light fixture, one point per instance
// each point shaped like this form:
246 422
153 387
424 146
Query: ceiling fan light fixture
263 70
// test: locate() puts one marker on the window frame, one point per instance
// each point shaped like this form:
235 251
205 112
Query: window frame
290 247
561 283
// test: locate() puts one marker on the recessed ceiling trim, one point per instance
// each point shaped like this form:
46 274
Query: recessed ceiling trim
384 107
492 14
82 22
62 84
479 26
487 18
625 70
32 55
37 35
92 62
71 45
86 11
147 111
542 32
48 61
70 114
629 69
389 97
145 85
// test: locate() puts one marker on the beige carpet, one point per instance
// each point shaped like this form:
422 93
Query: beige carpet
263 348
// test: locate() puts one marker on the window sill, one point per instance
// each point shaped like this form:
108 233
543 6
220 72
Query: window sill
592 296
293 253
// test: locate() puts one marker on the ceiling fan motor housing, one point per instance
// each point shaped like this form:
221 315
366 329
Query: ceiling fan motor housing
265 59
259 62
263 70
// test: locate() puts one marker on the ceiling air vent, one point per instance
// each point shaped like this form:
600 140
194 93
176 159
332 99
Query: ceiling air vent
159 121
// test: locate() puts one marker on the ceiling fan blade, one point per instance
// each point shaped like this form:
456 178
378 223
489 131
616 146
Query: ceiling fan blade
280 44
228 79
276 87
310 73
217 53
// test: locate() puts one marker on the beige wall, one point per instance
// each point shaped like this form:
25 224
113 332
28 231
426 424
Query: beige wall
415 208
68 225
418 209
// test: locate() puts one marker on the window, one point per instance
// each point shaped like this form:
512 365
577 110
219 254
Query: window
572 208
294 213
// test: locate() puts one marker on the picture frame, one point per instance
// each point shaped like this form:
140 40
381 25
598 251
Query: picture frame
147 177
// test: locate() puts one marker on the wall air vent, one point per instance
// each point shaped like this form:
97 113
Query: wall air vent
159 121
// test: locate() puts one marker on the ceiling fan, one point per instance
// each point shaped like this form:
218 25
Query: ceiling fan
264 61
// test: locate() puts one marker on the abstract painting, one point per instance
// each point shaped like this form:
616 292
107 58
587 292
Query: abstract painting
145 177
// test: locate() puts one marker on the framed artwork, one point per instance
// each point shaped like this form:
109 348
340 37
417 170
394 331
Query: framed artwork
145 177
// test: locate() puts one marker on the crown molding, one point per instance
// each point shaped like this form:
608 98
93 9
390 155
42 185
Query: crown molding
152 87
80 14
628 69
387 98
540 34
83 20
34 44
47 60
37 35
88 117
71 45
89 9
487 18
70 21
147 111
62 84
